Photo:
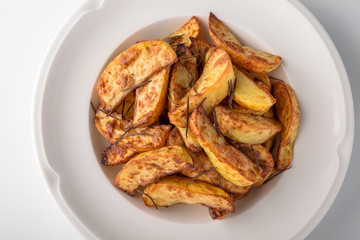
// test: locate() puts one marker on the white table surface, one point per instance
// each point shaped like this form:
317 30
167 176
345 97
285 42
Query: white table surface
27 211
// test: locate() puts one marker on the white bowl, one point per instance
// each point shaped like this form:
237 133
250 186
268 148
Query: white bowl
69 147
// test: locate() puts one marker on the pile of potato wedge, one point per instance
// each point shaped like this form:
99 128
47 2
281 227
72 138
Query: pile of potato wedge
195 122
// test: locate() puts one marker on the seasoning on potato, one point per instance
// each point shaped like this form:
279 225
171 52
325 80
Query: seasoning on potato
193 122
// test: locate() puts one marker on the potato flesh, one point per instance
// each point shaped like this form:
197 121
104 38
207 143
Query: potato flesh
288 112
148 167
173 190
150 99
246 57
245 128
115 155
249 95
190 29
133 66
190 141
180 78
201 163
213 85
232 164
175 138
111 129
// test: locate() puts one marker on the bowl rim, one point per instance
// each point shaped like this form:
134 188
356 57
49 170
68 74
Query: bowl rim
52 178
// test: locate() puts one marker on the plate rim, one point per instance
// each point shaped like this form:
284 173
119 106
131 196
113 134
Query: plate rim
52 178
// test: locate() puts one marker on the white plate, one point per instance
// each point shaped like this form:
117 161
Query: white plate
69 148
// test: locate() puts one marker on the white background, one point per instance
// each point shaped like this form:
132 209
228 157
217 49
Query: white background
27 210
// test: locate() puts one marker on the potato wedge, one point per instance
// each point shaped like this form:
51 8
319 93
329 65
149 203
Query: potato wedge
232 164
173 190
245 128
150 99
288 112
190 141
213 85
148 167
133 66
201 164
243 110
183 76
115 155
126 110
175 138
110 128
199 45
246 57
264 78
250 95
190 29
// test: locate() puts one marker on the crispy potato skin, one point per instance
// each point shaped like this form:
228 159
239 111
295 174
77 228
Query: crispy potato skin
150 99
150 166
180 78
243 56
191 29
190 141
251 95
288 112
133 66
201 163
175 138
173 190
111 129
232 164
115 155
245 128
264 78
213 85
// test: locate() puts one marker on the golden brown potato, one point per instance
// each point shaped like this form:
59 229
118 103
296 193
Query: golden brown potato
190 141
133 66
245 128
126 109
175 138
183 76
232 164
150 99
150 166
174 190
288 112
243 110
201 164
190 29
250 95
264 78
139 139
246 57
115 155
213 85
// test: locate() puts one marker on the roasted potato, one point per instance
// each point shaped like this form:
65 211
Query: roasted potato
246 57
175 138
139 139
213 85
190 29
288 112
232 164
201 164
150 99
115 155
250 95
132 67
190 141
245 128
125 111
150 166
264 78
174 190
183 76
